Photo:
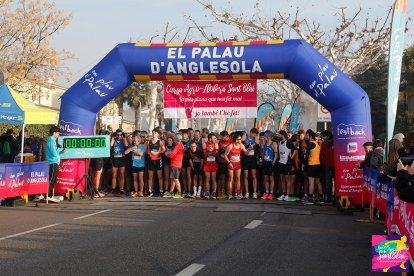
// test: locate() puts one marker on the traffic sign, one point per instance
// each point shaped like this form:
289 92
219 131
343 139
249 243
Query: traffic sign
323 114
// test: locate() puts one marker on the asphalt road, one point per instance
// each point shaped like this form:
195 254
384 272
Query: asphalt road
113 236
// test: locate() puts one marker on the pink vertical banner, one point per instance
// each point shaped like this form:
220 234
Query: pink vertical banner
70 173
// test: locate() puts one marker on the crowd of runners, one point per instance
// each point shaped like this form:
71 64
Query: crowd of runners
201 164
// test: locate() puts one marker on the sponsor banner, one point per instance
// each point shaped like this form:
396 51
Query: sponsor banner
23 179
69 174
211 112
210 99
284 119
403 222
323 114
349 138
264 113
395 60
294 120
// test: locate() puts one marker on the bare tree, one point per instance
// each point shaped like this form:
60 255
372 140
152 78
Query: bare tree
354 45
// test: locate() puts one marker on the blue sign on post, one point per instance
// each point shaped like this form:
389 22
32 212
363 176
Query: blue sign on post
78 147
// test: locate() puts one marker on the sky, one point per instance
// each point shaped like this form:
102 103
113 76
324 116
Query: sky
97 26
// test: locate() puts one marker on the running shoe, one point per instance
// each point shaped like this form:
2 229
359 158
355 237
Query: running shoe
140 194
161 193
247 196
177 196
265 196
206 195
270 196
282 197
167 195
310 201
53 199
150 194
239 196
193 195
319 201
229 196
304 198
213 196
222 196
198 195
294 198
39 198
254 196
287 198
133 194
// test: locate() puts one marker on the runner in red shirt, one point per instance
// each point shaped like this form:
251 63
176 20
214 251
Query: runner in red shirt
225 141
176 156
210 149
233 158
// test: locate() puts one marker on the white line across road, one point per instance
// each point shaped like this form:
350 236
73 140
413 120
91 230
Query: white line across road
253 224
89 215
30 231
191 270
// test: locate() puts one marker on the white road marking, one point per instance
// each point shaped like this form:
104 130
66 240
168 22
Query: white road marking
30 231
191 270
86 216
253 224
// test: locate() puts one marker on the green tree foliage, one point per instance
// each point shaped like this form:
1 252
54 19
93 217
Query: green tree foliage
374 82
41 131
405 115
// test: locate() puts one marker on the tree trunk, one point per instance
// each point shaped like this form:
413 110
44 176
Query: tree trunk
153 105
99 124
138 117
120 105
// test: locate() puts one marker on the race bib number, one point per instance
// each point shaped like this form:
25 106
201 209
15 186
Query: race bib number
154 152
235 158
267 158
137 157
118 155
251 152
196 160
211 159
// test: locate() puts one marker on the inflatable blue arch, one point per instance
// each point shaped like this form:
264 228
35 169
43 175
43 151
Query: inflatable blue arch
294 60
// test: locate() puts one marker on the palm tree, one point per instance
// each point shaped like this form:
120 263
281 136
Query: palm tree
136 96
